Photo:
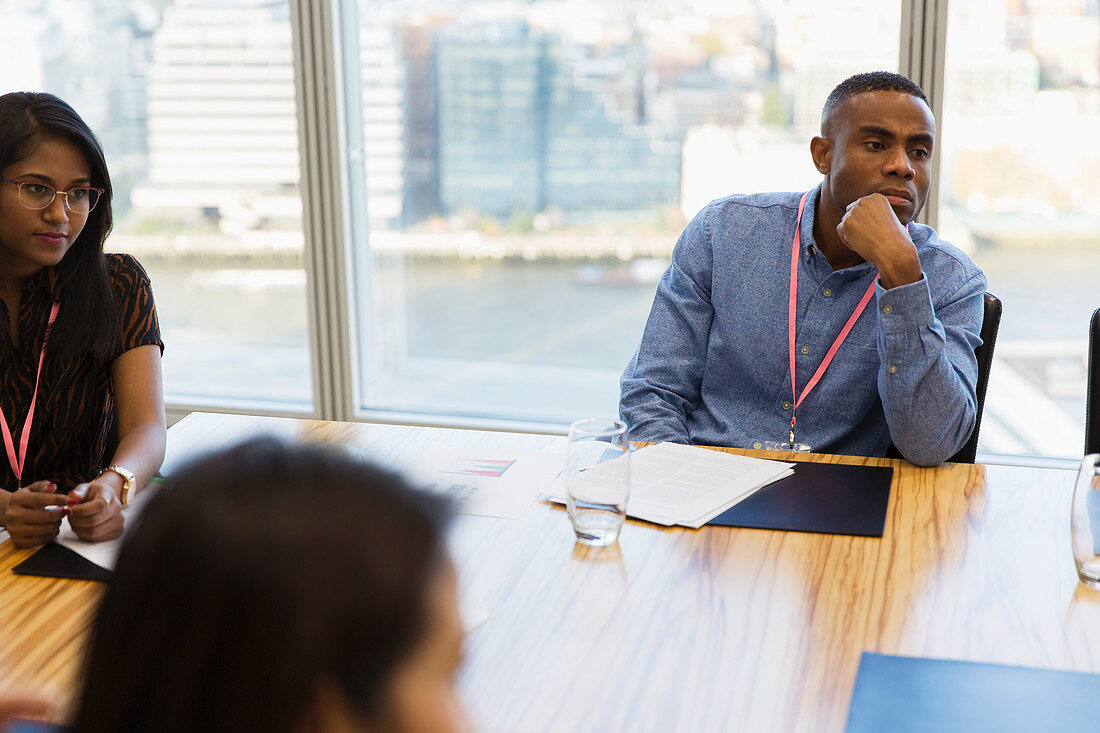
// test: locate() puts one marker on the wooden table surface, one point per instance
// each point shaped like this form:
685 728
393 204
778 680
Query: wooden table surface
715 629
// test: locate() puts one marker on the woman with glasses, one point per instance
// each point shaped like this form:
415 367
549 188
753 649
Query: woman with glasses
81 404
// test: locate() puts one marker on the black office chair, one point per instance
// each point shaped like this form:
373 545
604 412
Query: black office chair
1092 401
990 323
984 353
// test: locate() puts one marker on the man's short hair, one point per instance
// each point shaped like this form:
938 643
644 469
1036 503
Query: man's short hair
874 81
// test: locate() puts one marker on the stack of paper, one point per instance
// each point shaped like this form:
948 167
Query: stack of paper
688 485
104 554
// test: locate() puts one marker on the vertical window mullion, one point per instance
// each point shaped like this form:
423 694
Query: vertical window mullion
923 49
316 59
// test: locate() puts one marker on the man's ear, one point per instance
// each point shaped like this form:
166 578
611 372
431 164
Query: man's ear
821 150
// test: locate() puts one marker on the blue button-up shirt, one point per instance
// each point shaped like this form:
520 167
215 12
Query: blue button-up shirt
713 366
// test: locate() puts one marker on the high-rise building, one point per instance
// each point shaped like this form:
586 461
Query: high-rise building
100 70
223 141
519 130
382 75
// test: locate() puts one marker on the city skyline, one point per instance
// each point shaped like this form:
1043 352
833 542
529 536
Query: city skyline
195 102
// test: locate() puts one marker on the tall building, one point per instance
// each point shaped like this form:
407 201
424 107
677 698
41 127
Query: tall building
223 143
421 157
810 60
382 75
100 70
519 130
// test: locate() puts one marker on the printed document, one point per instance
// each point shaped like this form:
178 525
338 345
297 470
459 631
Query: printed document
491 483
688 485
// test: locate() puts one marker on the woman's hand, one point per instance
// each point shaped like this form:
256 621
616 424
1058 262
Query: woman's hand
34 514
98 516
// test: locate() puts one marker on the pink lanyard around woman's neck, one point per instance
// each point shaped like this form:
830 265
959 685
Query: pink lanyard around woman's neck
795 247
17 462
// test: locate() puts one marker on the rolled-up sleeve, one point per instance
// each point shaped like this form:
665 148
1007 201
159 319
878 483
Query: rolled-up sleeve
660 386
928 368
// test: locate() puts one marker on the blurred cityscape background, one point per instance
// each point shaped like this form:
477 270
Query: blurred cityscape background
528 167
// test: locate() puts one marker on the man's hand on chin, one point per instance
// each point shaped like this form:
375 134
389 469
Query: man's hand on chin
870 228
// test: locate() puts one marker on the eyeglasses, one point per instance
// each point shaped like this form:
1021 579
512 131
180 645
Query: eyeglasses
36 195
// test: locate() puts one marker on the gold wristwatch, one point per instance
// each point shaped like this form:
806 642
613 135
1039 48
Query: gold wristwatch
127 481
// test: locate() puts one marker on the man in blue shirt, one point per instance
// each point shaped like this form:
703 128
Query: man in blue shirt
714 365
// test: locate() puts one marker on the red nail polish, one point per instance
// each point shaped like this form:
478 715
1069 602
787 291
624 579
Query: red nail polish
52 485
67 511
73 500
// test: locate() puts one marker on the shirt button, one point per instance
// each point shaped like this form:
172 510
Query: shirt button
827 293
887 309
786 405
757 445
893 369
805 349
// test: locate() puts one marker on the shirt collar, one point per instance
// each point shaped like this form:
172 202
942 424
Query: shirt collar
810 250
48 280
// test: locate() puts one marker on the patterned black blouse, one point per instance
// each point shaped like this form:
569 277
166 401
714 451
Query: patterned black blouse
74 418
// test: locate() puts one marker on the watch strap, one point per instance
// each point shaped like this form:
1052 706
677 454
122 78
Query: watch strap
127 481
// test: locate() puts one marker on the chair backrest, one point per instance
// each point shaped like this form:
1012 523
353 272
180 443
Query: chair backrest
984 354
1092 402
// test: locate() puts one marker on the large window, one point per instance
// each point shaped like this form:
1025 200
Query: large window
528 170
1019 191
484 194
194 103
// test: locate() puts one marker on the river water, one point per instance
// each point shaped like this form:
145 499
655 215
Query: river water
546 339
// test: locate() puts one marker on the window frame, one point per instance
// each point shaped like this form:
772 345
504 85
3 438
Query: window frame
326 67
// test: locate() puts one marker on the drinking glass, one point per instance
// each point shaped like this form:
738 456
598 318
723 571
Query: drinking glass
597 482
1085 522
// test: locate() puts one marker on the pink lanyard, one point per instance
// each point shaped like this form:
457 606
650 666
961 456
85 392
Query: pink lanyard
17 462
791 316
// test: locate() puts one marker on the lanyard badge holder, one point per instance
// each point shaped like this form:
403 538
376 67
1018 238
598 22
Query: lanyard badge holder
18 459
791 444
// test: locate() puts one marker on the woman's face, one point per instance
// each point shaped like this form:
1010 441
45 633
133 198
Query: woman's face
423 696
31 239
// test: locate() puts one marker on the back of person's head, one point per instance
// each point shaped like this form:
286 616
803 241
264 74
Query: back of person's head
26 119
873 81
257 577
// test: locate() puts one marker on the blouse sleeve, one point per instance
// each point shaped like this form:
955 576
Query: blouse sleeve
140 326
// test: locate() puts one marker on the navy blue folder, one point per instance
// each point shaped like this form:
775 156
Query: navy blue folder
911 695
830 498
57 561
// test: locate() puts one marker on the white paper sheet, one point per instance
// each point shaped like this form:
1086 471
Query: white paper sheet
487 482
689 485
104 554
472 613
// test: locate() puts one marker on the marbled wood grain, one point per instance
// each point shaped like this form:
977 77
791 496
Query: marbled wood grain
716 629
43 627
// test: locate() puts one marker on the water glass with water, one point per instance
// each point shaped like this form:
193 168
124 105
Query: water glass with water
597 480
1085 522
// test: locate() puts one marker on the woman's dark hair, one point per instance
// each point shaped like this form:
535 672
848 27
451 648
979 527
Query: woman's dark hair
90 316
254 574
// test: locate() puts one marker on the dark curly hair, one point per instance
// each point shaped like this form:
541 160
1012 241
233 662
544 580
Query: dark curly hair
873 81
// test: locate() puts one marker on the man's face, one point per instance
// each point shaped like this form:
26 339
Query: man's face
881 143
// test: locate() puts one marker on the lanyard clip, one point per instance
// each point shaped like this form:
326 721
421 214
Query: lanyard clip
791 443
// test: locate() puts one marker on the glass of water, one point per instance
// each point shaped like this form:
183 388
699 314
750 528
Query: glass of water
597 481
1085 522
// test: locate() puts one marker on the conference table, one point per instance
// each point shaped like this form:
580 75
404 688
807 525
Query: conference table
715 629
